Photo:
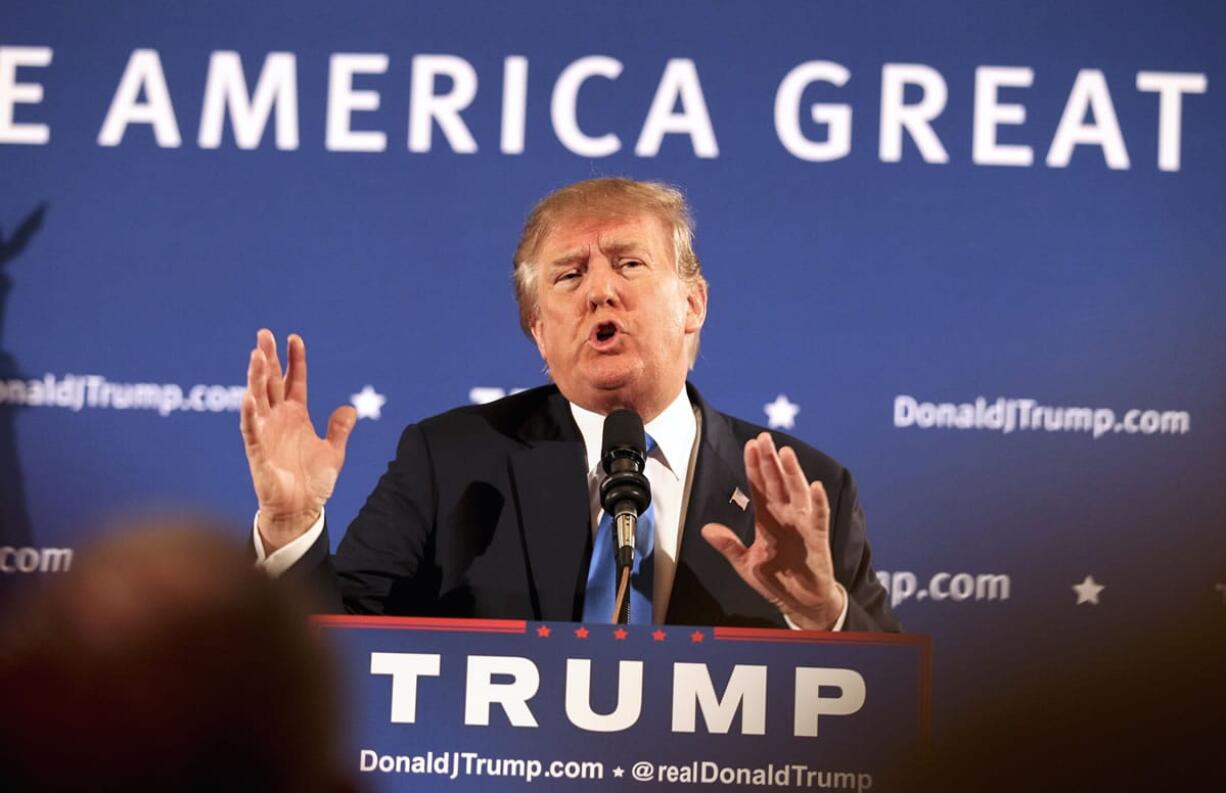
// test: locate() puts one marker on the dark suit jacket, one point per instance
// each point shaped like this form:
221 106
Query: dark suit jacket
484 513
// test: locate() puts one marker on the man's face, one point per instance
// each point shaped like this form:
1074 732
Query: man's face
614 321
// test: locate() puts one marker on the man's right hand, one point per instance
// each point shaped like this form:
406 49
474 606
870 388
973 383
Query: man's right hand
292 468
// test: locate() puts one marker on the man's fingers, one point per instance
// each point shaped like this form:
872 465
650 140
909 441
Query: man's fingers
821 506
793 476
753 472
764 519
257 377
771 469
724 540
340 424
268 345
246 421
296 369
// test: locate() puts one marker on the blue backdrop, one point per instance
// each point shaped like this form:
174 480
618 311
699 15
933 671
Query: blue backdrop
901 208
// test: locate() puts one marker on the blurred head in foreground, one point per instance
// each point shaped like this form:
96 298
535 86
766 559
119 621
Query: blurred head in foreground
164 660
1135 708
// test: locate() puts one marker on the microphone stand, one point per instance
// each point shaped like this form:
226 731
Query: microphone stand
625 528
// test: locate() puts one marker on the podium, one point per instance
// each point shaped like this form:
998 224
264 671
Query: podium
468 705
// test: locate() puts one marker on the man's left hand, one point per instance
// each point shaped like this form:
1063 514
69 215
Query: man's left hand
789 562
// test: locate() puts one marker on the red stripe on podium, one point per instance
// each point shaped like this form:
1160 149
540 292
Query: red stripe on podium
448 624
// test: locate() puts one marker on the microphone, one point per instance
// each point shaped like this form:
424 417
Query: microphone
625 493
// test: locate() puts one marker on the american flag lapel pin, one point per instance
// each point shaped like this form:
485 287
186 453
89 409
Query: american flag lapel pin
740 499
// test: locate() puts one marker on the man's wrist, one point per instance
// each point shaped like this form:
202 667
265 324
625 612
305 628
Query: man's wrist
830 618
278 530
277 562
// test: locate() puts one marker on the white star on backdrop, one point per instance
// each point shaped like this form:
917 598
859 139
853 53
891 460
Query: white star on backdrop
781 414
1087 591
618 772
368 402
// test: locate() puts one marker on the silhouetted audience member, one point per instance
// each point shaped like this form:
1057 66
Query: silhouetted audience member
164 661
1140 709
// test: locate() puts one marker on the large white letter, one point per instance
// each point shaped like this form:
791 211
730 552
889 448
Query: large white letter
562 107
404 668
343 100
13 92
1089 93
989 114
895 77
426 106
693 689
680 81
810 703
144 70
579 696
837 117
1171 86
481 691
226 89
514 103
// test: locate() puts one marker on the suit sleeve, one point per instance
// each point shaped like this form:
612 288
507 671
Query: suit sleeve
867 608
383 564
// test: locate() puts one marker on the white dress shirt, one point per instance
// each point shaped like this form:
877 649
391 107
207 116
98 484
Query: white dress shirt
675 432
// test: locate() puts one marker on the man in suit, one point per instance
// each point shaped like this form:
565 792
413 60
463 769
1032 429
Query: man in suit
493 511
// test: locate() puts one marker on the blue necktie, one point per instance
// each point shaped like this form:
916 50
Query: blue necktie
602 572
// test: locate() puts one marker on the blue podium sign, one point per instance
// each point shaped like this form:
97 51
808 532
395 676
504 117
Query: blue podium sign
456 705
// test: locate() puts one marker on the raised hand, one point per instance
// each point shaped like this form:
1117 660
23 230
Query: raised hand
293 470
789 562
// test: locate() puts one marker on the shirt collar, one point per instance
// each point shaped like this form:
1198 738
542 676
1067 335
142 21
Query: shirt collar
673 430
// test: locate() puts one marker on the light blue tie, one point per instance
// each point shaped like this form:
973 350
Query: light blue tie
602 572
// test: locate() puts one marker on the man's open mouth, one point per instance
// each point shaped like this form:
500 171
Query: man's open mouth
604 332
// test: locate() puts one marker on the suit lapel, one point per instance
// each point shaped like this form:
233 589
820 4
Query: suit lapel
549 479
702 573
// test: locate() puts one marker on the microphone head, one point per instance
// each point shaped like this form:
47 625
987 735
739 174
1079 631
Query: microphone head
623 455
623 429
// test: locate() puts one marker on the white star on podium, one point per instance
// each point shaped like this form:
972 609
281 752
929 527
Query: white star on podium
1087 591
368 402
781 414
